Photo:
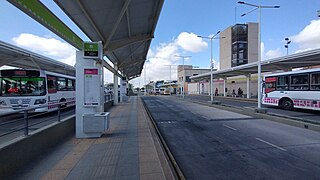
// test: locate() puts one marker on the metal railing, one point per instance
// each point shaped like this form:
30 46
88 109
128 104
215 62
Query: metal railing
25 123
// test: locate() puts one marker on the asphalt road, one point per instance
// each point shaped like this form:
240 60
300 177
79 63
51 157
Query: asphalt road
297 113
36 120
210 143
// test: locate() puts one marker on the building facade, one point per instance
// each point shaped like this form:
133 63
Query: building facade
239 45
186 71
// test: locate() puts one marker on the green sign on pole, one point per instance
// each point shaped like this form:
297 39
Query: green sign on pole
39 12
92 50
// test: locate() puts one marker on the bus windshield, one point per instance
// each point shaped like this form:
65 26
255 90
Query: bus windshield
22 86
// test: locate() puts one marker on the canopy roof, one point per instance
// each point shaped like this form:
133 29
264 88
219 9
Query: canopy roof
17 57
125 28
298 60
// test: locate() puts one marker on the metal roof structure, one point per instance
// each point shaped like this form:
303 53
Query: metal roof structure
297 60
125 28
11 55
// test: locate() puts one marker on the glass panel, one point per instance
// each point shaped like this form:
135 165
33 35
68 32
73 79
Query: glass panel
62 84
283 83
315 81
299 82
51 83
23 86
32 86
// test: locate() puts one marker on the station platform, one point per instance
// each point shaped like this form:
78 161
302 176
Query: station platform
129 150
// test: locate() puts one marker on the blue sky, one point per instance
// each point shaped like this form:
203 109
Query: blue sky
179 23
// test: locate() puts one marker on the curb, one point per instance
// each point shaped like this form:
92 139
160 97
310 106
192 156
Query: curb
173 163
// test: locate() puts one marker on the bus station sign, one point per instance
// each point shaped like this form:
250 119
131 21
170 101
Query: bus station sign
92 50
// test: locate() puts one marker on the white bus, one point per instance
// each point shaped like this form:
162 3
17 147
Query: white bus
21 89
294 89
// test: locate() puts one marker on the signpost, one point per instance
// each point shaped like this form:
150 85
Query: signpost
92 50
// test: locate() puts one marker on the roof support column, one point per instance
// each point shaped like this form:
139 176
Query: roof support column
115 85
225 86
248 86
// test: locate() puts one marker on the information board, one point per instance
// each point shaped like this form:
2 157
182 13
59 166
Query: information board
91 87
92 50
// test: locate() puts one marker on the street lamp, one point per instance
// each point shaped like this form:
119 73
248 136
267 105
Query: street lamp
259 41
211 60
287 44
170 77
184 74
145 77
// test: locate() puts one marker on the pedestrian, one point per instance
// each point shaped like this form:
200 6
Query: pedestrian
216 92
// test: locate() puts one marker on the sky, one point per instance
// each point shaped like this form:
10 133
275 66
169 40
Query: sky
176 33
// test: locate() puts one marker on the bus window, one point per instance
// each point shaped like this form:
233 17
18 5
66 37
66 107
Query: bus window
299 82
270 84
32 86
282 83
315 81
70 86
51 83
62 84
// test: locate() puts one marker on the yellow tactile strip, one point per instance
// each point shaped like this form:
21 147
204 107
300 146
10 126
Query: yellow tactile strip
63 167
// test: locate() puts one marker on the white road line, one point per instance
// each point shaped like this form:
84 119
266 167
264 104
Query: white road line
275 146
230 127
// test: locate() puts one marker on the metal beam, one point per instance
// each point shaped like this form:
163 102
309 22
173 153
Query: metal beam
115 27
113 45
110 68
90 20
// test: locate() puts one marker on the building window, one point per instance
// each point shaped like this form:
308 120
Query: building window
239 45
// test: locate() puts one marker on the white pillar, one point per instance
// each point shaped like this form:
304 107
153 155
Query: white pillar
102 98
115 86
248 86
224 86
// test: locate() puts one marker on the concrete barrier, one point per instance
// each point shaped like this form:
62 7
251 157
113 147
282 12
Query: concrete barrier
19 152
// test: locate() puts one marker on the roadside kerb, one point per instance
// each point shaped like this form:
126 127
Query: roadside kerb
174 165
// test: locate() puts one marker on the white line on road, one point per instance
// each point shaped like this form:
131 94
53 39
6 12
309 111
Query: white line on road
230 127
275 146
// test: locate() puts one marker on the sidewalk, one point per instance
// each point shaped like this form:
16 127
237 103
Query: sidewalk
129 150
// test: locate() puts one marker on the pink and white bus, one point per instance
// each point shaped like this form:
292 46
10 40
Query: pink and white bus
21 88
294 89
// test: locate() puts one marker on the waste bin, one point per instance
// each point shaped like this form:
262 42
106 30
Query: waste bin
95 123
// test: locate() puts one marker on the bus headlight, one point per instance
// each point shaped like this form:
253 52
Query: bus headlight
3 103
40 101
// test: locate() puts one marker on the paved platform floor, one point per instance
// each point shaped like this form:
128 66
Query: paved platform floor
129 150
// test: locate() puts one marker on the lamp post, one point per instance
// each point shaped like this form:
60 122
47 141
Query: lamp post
170 77
184 74
145 77
259 41
211 60
287 44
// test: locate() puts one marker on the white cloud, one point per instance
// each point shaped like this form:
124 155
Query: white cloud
190 42
273 53
164 55
309 37
47 46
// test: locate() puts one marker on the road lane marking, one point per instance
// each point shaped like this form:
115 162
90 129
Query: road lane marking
229 127
275 146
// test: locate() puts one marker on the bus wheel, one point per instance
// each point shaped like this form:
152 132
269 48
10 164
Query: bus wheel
287 104
63 105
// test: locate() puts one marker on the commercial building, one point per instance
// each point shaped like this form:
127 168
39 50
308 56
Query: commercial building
185 72
239 45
